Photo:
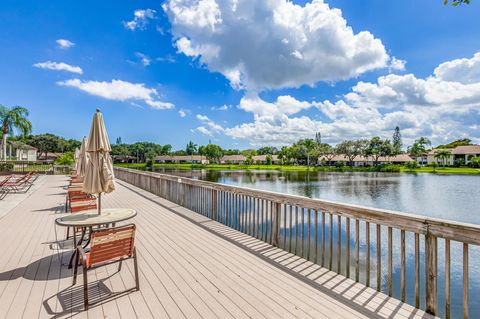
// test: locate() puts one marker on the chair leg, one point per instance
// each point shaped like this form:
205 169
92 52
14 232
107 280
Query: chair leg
120 265
135 266
75 270
68 232
85 287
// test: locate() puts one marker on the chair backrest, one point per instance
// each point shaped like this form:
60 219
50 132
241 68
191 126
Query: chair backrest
79 206
4 181
112 244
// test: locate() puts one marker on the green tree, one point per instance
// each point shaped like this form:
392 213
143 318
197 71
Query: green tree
374 148
45 143
460 142
269 159
119 140
318 138
13 119
267 150
191 149
213 152
166 149
349 149
65 159
71 145
419 147
443 155
397 141
120 149
307 149
456 2
475 161
326 151
411 165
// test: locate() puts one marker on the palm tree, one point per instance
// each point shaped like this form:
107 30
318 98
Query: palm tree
443 155
13 118
191 149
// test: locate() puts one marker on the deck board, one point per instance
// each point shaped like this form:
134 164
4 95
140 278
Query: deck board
190 267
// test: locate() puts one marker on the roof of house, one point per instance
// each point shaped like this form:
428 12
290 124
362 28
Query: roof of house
466 149
22 145
264 157
397 158
234 158
180 158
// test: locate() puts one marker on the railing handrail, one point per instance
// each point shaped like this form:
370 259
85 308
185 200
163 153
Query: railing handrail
443 228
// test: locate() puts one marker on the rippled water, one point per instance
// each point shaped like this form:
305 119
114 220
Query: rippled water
453 197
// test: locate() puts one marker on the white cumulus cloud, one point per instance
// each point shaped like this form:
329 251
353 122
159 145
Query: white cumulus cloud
208 127
59 66
439 107
140 20
261 45
119 90
64 43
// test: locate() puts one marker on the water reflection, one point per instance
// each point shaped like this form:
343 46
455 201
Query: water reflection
454 197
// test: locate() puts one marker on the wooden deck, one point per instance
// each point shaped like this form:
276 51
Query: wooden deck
190 267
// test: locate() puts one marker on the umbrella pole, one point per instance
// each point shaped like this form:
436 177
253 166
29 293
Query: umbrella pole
99 203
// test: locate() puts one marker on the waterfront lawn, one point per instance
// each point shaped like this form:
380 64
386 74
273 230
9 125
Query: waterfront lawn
425 169
443 170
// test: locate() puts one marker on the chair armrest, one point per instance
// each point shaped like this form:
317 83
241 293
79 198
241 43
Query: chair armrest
82 253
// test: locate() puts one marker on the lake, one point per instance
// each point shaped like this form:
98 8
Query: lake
453 197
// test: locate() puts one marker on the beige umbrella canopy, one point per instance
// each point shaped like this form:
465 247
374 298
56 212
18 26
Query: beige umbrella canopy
99 176
82 159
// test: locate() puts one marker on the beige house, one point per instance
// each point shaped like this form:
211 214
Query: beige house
359 161
263 159
181 159
20 152
233 159
465 152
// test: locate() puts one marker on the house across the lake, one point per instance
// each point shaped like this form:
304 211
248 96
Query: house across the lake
181 159
233 159
359 161
460 153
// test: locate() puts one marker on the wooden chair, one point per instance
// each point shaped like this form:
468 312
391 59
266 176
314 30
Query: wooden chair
107 246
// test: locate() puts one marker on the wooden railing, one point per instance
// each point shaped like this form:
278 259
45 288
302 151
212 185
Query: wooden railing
7 167
306 227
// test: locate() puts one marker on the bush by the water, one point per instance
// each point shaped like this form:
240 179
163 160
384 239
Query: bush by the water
65 159
412 165
6 167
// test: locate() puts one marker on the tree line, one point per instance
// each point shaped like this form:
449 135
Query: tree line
305 151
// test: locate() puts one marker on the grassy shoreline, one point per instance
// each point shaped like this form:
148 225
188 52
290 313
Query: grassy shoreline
438 170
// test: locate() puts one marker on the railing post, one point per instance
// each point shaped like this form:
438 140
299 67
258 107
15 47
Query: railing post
430 274
214 204
278 212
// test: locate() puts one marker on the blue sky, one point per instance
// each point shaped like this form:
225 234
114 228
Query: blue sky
244 72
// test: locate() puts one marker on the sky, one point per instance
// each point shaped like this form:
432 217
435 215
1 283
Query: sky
244 73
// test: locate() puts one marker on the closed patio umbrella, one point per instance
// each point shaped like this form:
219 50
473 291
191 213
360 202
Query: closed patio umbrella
99 169
82 160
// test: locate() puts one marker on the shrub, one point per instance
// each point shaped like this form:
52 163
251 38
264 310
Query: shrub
412 165
389 168
6 167
459 162
339 164
65 159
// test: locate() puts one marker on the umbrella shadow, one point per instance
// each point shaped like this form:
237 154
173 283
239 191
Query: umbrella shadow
59 209
44 269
